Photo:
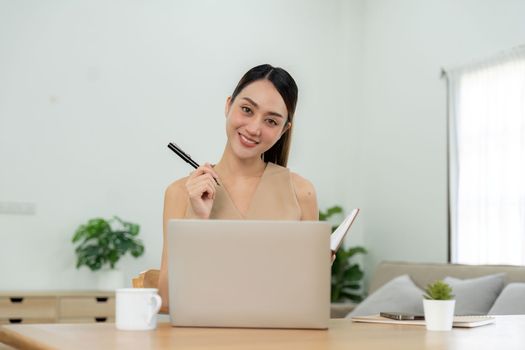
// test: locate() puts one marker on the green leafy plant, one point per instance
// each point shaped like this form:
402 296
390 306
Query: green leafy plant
346 276
325 215
103 242
438 290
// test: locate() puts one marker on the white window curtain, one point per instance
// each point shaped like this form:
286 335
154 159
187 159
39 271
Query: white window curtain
487 160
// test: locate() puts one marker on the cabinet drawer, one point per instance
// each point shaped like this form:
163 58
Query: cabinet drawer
28 307
21 320
105 319
86 307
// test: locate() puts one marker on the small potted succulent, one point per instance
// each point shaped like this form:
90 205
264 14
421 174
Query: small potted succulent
439 306
100 245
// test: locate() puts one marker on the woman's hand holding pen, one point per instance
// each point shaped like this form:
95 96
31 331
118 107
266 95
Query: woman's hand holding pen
201 189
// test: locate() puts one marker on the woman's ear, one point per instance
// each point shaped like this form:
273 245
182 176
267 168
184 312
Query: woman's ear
227 106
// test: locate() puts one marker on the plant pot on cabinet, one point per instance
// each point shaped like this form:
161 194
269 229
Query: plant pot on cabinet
439 314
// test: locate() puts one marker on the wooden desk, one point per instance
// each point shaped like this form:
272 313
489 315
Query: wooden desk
507 333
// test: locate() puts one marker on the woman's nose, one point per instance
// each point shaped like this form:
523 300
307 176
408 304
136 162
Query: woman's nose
254 126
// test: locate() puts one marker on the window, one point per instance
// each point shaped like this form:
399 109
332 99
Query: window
487 160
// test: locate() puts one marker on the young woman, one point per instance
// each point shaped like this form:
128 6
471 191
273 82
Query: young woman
254 181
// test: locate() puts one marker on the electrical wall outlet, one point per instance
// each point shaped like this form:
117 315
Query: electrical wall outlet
17 208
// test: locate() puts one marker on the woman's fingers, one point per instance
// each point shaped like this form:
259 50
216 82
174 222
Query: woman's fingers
206 186
201 185
199 190
202 179
212 171
205 169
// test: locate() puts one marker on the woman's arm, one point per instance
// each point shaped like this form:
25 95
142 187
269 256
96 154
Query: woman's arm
199 188
175 202
306 197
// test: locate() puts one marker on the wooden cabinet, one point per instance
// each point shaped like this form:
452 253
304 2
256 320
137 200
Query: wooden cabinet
52 307
75 309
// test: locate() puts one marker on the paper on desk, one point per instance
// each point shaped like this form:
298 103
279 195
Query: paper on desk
337 237
459 321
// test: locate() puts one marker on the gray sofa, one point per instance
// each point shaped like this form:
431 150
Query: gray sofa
479 289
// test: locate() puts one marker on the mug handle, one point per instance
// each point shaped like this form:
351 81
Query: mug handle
157 302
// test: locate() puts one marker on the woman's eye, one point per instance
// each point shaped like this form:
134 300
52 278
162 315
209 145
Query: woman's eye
246 109
272 122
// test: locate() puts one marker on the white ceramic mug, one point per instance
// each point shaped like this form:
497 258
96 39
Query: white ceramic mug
136 308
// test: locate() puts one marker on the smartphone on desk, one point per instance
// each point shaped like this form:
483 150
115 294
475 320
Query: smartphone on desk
401 316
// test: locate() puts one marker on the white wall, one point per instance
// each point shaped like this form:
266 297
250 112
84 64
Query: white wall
403 126
92 91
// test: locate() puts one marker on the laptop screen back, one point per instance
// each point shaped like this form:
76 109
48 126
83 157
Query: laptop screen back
233 273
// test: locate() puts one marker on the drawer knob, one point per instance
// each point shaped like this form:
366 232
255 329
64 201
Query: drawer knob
101 299
15 320
101 319
16 299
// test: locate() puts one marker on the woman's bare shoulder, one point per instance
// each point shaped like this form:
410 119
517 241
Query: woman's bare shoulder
177 185
302 185
176 191
306 196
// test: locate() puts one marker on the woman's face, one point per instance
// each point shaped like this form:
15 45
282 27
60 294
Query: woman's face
256 119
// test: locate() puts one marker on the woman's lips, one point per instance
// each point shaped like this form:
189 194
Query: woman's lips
246 141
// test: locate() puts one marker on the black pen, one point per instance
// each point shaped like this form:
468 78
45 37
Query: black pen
186 157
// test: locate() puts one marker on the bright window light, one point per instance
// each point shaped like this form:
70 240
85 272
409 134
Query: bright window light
487 115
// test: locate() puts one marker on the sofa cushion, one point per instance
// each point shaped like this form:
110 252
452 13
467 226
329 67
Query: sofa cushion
475 296
424 273
511 301
399 294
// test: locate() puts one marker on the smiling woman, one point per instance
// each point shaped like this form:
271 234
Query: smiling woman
254 181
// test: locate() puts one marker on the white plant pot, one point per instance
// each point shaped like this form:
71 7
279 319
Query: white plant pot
110 279
439 314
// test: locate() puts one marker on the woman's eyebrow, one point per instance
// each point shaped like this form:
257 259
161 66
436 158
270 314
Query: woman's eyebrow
257 106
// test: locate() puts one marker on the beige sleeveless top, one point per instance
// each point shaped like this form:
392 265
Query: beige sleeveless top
274 199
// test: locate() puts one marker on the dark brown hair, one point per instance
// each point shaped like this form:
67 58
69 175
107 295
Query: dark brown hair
287 88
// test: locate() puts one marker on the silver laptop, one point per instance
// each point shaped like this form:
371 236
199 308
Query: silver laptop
234 273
